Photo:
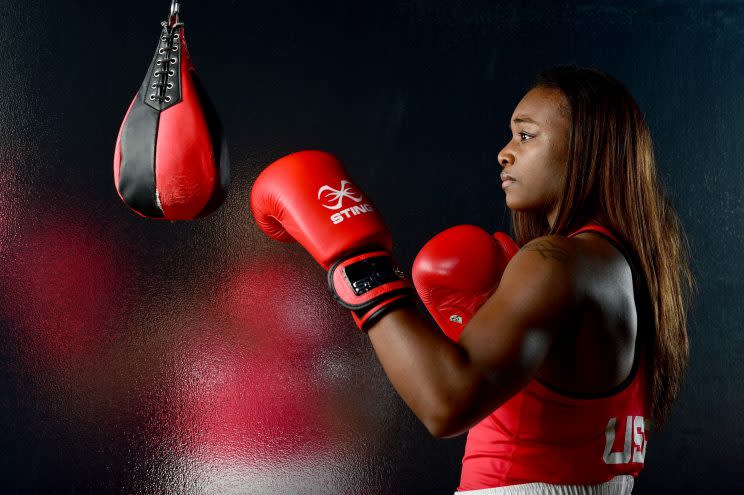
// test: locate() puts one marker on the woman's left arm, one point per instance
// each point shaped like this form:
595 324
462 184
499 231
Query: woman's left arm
452 386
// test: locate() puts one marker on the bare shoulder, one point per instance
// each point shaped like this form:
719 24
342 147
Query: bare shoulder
555 256
544 275
582 263
557 248
535 302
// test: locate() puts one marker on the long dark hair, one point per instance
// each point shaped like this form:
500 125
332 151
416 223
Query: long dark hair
611 177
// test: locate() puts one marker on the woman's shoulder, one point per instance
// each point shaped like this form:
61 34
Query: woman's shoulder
590 261
555 247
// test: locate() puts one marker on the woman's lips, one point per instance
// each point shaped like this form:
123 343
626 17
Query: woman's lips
506 183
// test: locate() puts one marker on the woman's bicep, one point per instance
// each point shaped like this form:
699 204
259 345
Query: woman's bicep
509 337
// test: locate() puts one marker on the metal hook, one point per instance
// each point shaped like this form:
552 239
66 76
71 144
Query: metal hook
174 11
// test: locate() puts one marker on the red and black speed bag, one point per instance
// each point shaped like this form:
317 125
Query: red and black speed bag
171 160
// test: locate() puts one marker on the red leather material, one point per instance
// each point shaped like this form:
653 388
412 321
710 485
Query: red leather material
308 197
457 271
363 322
171 159
380 285
346 293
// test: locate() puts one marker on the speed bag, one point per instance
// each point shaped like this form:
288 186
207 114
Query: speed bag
171 160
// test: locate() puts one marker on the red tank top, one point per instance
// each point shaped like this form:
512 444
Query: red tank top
542 435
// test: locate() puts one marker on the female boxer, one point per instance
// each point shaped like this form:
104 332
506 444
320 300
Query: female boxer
573 346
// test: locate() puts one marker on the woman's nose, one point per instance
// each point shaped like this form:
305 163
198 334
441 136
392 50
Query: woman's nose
505 157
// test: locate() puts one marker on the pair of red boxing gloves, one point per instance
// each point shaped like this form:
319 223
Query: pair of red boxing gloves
307 197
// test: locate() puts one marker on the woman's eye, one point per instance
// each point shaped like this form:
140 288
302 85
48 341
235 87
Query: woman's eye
522 136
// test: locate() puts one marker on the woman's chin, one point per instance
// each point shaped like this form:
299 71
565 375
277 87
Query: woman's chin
516 205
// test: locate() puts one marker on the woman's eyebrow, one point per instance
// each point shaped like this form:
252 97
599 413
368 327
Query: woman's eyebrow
523 119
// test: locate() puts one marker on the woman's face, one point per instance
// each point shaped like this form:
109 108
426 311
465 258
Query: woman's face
537 153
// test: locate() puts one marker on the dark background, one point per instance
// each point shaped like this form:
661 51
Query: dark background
139 356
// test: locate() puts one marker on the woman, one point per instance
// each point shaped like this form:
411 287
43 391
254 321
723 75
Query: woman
582 347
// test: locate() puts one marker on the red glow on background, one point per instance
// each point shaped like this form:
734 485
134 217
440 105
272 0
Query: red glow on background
247 407
61 284
282 303
245 388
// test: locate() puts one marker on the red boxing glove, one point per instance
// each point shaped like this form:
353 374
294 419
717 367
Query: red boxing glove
307 197
457 271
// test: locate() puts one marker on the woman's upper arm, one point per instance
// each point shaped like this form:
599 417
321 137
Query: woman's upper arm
509 337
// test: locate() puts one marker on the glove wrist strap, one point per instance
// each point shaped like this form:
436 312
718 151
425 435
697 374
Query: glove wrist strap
370 285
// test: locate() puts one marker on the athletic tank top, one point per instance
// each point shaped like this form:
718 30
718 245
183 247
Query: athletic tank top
543 435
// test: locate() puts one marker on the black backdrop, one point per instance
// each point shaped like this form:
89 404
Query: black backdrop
199 357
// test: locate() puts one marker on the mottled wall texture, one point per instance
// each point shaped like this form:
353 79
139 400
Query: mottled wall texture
149 357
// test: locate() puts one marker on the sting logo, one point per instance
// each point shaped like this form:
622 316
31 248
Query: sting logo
346 191
336 198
